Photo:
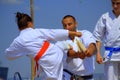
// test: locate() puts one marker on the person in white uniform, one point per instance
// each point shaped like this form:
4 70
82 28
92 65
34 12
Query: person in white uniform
107 29
34 43
82 67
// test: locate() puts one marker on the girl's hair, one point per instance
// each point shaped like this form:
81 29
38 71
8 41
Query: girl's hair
22 20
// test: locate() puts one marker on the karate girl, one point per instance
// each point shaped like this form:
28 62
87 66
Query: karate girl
35 44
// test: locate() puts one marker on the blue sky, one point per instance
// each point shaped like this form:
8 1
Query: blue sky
47 14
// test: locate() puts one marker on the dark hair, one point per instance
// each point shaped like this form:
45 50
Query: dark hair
22 20
67 16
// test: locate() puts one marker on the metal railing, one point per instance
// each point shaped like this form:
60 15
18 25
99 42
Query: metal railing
17 76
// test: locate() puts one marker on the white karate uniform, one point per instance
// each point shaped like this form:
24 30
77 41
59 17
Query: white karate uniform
76 65
108 29
30 41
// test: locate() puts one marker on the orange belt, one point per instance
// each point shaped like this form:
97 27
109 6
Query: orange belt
40 53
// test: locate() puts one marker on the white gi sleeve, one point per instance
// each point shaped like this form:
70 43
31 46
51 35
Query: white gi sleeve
54 34
87 38
14 51
99 30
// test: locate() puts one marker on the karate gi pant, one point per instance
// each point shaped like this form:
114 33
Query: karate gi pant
112 70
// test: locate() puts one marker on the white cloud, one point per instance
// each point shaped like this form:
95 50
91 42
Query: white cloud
11 1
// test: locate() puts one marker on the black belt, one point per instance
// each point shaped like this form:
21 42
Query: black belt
84 77
87 77
68 72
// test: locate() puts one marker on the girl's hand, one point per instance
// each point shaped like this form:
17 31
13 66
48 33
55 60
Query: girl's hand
79 34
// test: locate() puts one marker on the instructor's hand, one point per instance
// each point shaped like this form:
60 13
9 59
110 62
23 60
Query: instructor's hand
81 55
